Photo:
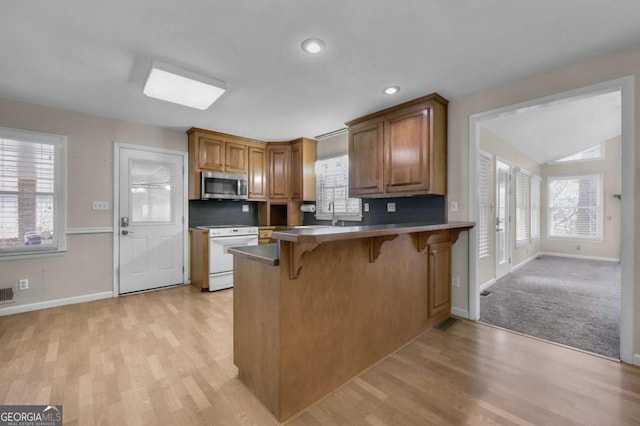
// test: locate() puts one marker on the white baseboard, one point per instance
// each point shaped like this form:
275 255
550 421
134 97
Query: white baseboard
579 256
636 359
524 262
460 312
10 310
487 284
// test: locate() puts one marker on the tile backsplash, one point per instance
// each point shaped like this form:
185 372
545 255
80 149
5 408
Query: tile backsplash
222 212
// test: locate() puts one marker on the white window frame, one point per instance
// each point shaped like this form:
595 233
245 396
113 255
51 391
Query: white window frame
526 197
534 208
600 221
601 158
59 143
485 218
322 206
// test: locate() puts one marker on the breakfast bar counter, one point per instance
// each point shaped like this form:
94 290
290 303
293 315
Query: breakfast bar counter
324 303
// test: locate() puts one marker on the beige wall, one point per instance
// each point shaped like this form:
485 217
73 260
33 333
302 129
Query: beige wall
610 169
595 70
501 149
86 268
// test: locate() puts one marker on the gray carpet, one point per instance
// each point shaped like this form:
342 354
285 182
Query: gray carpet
570 301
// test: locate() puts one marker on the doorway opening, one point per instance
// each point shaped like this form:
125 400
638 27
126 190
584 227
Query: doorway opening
545 226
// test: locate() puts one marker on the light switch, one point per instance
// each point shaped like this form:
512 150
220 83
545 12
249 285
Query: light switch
99 205
454 206
391 207
366 207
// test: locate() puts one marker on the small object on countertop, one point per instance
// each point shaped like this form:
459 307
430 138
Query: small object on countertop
308 208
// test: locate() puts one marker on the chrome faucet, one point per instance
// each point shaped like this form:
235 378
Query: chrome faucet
332 207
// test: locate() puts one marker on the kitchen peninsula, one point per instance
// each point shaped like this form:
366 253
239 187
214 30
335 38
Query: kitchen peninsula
324 303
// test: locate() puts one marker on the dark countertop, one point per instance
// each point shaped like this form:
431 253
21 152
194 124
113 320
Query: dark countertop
264 253
336 233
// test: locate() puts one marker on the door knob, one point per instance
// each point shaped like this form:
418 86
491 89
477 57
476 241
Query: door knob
126 232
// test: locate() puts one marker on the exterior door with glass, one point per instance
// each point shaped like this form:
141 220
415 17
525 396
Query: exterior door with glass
503 219
151 220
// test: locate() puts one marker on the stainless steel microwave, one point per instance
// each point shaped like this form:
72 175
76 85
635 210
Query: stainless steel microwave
224 186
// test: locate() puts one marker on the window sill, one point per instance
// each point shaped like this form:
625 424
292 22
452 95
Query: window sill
576 239
27 256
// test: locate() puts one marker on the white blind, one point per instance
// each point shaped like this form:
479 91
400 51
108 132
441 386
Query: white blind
29 194
332 177
484 204
522 207
575 207
535 207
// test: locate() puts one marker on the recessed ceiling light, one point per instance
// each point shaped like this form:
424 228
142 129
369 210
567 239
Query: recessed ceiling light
173 84
313 45
391 90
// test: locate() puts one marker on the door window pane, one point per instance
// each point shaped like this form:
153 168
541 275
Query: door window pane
151 188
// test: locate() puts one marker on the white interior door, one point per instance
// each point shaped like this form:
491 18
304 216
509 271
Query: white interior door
503 220
151 220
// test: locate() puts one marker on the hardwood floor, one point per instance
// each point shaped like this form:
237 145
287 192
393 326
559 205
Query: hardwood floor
165 357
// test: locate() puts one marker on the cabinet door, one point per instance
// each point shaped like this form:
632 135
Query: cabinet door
278 176
296 172
365 159
439 277
211 154
257 174
236 157
407 149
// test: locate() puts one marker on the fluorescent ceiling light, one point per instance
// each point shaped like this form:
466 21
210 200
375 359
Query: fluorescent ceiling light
173 84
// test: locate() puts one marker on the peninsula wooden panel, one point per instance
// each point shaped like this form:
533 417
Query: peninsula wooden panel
338 315
439 277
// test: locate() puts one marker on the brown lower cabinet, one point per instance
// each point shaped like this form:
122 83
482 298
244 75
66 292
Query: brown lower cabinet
199 253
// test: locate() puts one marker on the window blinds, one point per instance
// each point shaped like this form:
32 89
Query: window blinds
332 177
575 207
535 207
484 203
522 207
29 201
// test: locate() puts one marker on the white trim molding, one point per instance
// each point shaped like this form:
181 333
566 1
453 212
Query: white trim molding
579 256
491 282
10 310
524 262
95 230
463 313
636 359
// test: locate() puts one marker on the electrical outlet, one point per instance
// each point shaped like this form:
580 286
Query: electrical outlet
391 207
99 205
454 206
455 281
366 207
23 284
245 207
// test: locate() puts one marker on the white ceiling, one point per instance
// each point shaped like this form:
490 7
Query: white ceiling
549 132
93 56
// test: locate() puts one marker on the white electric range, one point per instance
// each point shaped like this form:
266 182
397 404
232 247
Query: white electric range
221 238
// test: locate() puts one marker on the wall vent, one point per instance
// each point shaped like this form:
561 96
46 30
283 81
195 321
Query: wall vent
7 295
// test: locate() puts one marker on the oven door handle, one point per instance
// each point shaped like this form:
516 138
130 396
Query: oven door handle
233 240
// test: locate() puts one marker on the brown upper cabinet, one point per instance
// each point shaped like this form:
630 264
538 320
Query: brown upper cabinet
400 150
278 176
211 151
257 173
303 175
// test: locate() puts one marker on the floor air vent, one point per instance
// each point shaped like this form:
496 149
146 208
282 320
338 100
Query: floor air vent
7 295
486 293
